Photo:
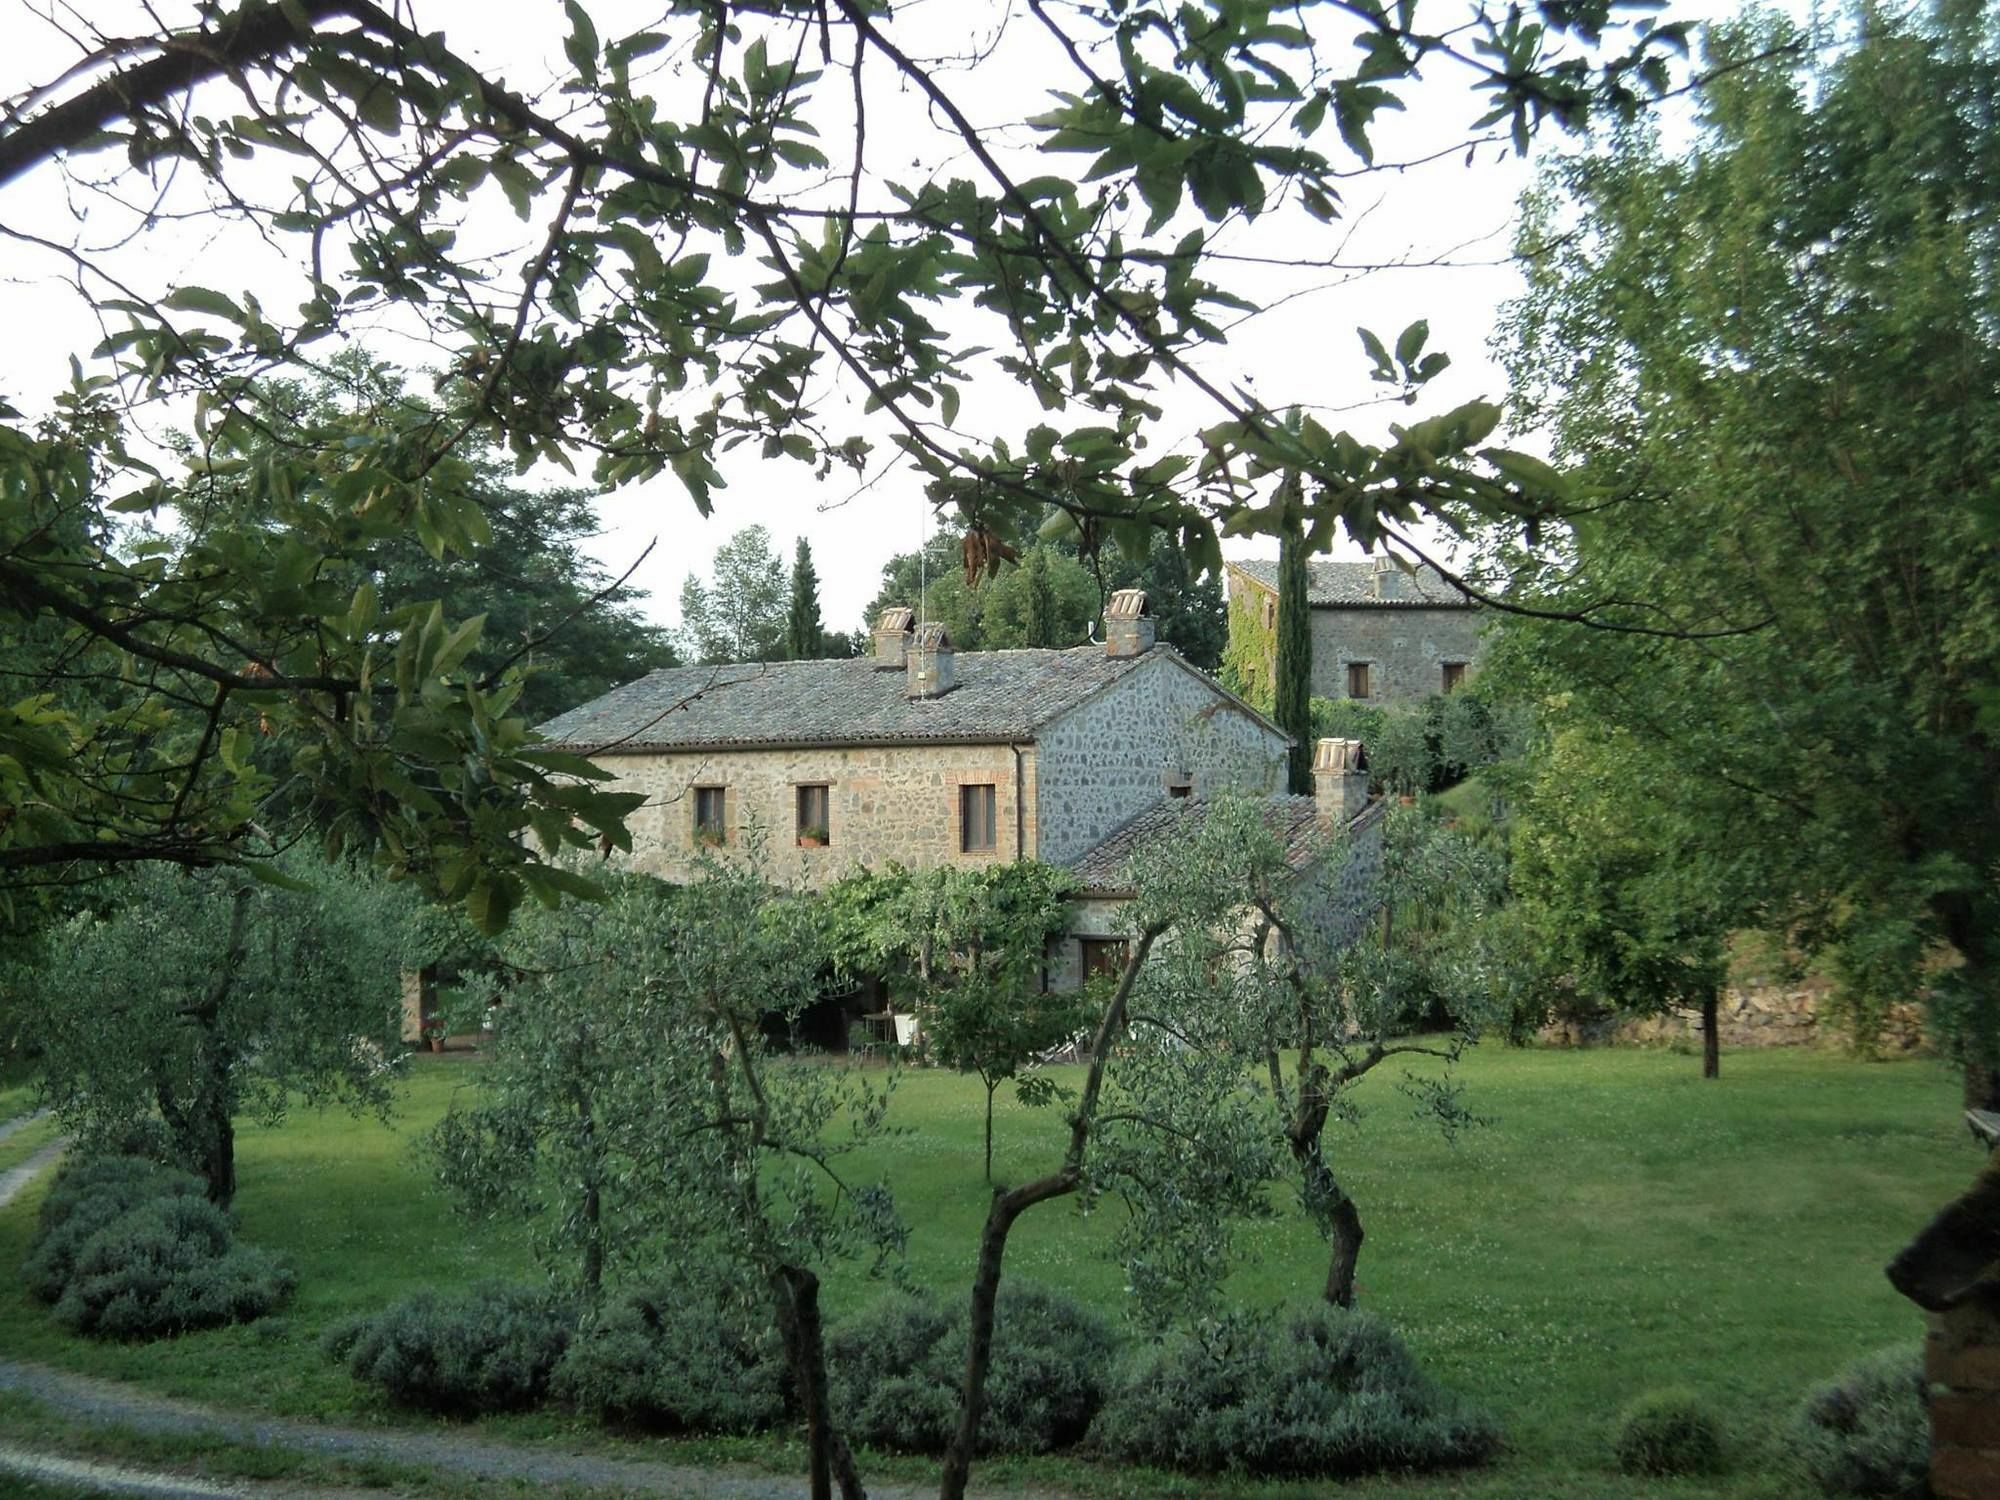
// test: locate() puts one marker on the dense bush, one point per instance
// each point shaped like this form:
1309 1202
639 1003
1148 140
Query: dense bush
169 1266
1668 1432
1867 1433
490 1349
1323 1393
896 1372
87 1196
676 1358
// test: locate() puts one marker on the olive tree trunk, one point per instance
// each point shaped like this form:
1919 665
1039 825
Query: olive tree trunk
1007 1206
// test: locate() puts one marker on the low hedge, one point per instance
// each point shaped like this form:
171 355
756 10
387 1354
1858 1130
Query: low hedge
1667 1433
1318 1394
490 1349
130 1249
896 1370
1869 1431
677 1357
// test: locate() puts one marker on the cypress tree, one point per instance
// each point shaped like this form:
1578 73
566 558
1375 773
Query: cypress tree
1039 626
805 635
1292 688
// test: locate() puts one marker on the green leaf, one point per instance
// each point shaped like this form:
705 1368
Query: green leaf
1411 344
580 46
1376 351
201 299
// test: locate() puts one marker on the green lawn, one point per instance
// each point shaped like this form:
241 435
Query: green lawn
1618 1225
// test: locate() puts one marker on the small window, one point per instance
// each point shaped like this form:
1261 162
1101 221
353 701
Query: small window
1102 956
1357 679
1181 789
976 826
711 814
1270 614
1454 676
812 822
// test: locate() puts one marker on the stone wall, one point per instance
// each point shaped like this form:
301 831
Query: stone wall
1109 758
1348 877
884 802
1962 1362
1753 1014
1405 646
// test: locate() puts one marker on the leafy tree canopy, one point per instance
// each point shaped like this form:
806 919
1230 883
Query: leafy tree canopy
549 606
742 613
205 995
1773 356
687 263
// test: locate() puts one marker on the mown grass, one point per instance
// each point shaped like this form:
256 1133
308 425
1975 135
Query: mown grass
1617 1225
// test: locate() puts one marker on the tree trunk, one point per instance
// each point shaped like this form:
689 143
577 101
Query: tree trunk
1328 1203
214 1110
828 1457
218 1161
1000 1216
1009 1205
1711 1039
593 1242
593 1195
1347 1237
989 1131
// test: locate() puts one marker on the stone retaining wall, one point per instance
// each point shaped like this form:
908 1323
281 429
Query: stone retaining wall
1752 1015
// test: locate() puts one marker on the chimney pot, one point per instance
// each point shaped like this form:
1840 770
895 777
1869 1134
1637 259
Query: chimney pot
1387 579
1386 582
932 671
1128 629
1340 781
892 637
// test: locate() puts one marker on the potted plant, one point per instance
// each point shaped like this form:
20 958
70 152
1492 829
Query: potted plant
812 838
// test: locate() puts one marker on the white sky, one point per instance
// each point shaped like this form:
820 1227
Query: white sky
1301 350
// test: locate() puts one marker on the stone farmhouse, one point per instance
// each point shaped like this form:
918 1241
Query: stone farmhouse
925 755
1379 633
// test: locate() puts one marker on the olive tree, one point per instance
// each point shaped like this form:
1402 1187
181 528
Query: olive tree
202 996
1163 1118
1376 946
635 1109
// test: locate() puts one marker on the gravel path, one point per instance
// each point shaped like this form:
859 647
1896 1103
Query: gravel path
16 1178
19 1123
109 1403
99 1478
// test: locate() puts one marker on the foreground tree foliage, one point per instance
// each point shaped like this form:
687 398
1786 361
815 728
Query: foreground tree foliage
1774 357
705 256
206 996
1379 950
635 1112
549 608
